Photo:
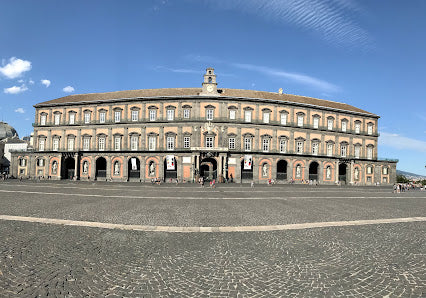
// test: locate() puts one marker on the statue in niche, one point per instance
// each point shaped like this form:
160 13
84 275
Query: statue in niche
298 171
116 168
265 170
54 168
151 168
85 167
356 173
328 173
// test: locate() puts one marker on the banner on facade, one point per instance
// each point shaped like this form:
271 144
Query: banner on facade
134 165
247 162
170 160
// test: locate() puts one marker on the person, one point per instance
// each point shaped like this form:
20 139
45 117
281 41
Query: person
232 178
252 184
214 183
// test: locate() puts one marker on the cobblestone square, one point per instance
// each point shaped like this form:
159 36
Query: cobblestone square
78 239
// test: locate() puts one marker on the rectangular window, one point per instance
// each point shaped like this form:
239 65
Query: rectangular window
186 142
186 113
343 151
330 124
170 143
57 119
300 120
86 118
41 145
102 116
344 126
231 143
232 114
151 143
369 153
265 145
72 118
117 116
370 129
266 117
43 120
283 118
134 142
70 144
316 122
329 149
357 151
299 147
152 115
385 171
283 146
315 147
135 115
86 144
247 144
209 142
117 143
55 146
357 127
247 116
101 144
369 170
210 114
170 115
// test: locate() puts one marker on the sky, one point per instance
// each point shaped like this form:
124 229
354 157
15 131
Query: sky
370 54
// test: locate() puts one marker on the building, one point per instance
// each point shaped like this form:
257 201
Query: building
185 133
7 135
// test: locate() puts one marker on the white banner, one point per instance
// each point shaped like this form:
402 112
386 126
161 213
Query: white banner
134 166
247 162
170 159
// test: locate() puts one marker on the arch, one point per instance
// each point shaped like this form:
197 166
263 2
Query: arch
101 167
282 165
247 166
343 173
313 171
68 170
133 168
170 167
208 168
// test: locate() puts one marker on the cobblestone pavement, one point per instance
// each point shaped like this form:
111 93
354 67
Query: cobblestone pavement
36 259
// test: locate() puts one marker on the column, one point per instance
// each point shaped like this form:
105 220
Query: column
143 168
336 171
125 168
179 168
108 167
93 168
126 139
110 142
351 173
76 163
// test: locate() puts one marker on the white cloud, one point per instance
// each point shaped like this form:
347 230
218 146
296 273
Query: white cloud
19 110
15 89
31 82
68 89
177 70
400 142
296 77
45 83
15 68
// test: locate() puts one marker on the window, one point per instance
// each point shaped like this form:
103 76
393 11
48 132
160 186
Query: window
41 144
232 114
299 147
55 146
170 114
369 152
316 122
135 115
102 116
102 144
40 162
57 119
186 142
330 124
117 143
186 113
300 120
385 170
283 146
209 142
87 117
385 179
117 116
283 118
22 162
265 145
170 143
315 147
43 119
357 127
247 144
247 116
152 115
70 144
210 113
368 178
72 118
369 170
370 129
134 142
151 143
357 151
329 149
343 150
265 117
231 143
86 143
344 125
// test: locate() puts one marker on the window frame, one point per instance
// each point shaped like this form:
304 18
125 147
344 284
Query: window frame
209 141
231 143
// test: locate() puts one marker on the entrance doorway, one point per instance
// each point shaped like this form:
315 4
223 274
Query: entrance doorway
170 168
134 167
246 173
313 171
101 166
68 168
208 169
282 170
342 173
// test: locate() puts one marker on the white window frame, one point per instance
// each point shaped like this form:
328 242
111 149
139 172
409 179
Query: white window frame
266 117
357 127
170 114
385 170
209 114
370 129
265 145
343 150
135 115
299 147
152 143
186 113
357 151
330 124
170 143
43 119
72 118
186 142
70 144
134 140
247 143
247 116
117 143
41 144
283 146
315 122
209 142
57 118
101 144
315 148
329 149
117 116
369 152
344 126
86 143
152 115
86 117
232 114
283 118
369 170
300 119
55 144
102 117
231 143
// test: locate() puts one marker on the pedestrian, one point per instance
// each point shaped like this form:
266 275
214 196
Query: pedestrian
252 184
232 178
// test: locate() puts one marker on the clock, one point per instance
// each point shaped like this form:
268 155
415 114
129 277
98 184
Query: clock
210 88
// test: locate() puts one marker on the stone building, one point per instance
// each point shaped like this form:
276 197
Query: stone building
185 133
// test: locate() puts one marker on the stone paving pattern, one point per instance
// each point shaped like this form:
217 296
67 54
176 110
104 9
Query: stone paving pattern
364 261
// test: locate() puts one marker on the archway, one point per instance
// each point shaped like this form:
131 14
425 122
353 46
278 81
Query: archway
247 169
282 170
313 171
208 168
68 168
342 173
134 168
101 166
170 167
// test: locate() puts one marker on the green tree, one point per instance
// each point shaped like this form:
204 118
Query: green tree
401 179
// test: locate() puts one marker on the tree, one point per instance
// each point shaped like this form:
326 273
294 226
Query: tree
401 179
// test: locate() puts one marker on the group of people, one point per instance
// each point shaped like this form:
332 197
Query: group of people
403 187
202 181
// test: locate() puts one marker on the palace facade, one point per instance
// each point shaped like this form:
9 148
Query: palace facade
216 133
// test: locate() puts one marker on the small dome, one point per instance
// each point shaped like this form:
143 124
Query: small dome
6 131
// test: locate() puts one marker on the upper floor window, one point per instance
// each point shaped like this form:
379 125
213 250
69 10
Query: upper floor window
43 119
343 149
170 143
186 142
232 114
117 143
315 148
22 162
170 114
135 115
70 144
247 143
247 116
357 127
315 123
186 113
370 128
152 115
357 151
329 149
151 143
102 116
300 120
283 146
369 152
299 147
57 119
87 117
134 140
330 123
231 143
55 144
266 117
344 125
117 116
385 170
283 118
40 162
86 143
265 145
209 114
369 170
72 118
209 142
41 144
101 144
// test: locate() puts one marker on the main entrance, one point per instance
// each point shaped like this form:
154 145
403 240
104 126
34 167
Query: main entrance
313 171
342 173
101 166
208 168
282 170
68 168
134 167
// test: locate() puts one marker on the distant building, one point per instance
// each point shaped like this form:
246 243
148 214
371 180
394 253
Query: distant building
8 139
207 132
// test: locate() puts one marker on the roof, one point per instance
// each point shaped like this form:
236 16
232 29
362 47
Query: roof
195 92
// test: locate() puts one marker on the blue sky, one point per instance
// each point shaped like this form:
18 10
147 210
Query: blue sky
370 54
